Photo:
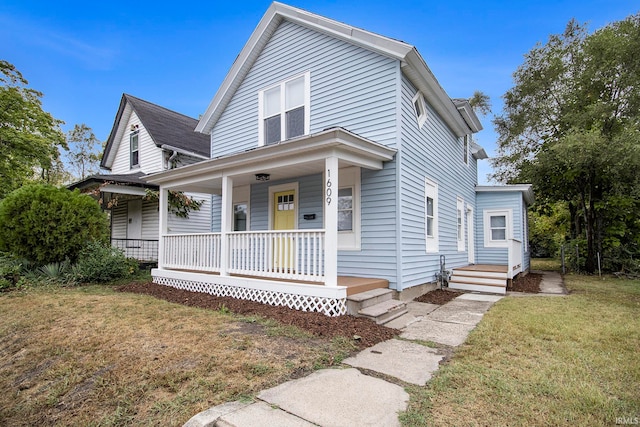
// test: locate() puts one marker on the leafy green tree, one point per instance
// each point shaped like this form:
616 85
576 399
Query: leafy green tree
480 102
84 154
45 224
29 137
571 126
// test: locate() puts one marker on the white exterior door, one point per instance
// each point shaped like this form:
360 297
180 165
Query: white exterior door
134 219
471 247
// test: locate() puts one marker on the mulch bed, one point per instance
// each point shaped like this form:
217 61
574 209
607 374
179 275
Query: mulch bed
364 332
529 283
438 296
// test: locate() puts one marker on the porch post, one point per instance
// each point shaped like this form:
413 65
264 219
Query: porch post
331 221
226 222
163 209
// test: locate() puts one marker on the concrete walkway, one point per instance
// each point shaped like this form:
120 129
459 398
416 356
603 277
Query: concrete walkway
347 396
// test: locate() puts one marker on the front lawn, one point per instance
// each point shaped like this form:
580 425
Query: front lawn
89 356
570 360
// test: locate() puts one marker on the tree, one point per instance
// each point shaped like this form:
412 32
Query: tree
480 102
571 126
45 224
29 137
83 156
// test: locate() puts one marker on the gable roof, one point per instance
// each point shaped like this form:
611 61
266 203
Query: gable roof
168 129
412 63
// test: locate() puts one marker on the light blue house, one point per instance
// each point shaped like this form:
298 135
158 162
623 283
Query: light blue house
338 165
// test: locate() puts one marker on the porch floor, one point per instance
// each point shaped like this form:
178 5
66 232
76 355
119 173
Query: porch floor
354 285
485 267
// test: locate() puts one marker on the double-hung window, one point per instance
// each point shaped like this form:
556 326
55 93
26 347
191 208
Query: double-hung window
431 215
284 110
134 150
240 217
497 224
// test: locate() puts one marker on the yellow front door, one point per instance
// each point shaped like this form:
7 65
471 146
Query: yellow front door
284 218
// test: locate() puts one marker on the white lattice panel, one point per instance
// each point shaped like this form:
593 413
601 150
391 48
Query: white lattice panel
326 306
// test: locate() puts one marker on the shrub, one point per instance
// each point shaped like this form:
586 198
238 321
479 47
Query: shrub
102 263
45 224
10 270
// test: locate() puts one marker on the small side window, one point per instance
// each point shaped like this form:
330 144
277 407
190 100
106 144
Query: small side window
420 108
134 150
465 148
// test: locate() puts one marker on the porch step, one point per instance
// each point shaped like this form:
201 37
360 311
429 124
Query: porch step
384 312
480 280
366 299
376 304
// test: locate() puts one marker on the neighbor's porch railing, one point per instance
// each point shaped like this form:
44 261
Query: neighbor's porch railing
292 254
515 258
140 249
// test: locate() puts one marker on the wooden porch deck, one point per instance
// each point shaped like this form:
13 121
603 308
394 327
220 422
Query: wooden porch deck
485 267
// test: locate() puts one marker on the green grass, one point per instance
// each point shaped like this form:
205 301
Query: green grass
543 361
547 264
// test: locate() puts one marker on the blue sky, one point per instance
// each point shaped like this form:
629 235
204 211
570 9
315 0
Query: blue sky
84 55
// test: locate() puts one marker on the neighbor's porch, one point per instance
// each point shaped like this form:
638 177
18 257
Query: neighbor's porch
293 267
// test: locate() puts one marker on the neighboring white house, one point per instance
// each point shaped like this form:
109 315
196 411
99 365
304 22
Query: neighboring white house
145 139
338 164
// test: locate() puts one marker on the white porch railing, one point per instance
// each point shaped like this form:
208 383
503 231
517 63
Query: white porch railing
199 252
291 255
515 258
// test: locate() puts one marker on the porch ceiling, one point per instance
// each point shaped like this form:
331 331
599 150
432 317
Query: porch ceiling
297 157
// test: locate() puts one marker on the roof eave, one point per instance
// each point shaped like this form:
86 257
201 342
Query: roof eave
525 189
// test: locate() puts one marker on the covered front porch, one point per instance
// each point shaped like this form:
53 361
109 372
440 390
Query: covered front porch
279 261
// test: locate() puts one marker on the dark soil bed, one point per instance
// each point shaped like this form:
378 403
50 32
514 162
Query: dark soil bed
364 332
438 296
529 283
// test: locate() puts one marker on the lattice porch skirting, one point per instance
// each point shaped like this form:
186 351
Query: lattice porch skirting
324 305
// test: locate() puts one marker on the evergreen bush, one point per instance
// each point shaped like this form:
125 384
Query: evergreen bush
45 224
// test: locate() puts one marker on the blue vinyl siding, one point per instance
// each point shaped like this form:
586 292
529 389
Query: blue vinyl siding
434 152
351 87
497 201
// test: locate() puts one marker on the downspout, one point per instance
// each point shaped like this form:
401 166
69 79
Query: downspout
171 159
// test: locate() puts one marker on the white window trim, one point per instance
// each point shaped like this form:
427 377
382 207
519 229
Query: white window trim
525 228
349 240
422 117
307 103
131 135
242 195
466 147
460 228
284 187
431 190
487 214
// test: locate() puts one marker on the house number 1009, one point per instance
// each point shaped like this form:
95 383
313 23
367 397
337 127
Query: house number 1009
328 191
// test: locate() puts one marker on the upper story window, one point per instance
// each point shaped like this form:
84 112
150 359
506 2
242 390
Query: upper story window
284 110
134 150
465 146
420 109
431 215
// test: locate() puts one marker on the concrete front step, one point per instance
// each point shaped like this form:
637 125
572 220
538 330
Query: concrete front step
366 299
384 312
